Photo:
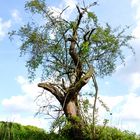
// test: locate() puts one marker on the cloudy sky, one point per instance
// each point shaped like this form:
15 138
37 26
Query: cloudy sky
121 91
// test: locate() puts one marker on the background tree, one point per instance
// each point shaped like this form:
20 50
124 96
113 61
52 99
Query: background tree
79 50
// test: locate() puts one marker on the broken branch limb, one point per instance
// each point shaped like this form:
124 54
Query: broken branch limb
51 88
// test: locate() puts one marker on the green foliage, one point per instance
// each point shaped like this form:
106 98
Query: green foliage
102 133
72 25
109 133
108 48
58 123
86 105
35 6
54 136
92 16
15 131
98 45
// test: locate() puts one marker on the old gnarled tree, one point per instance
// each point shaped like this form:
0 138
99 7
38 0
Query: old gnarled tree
79 50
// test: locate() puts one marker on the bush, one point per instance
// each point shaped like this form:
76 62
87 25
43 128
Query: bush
110 133
15 131
103 133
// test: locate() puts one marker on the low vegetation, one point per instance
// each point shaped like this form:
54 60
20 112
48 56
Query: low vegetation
15 131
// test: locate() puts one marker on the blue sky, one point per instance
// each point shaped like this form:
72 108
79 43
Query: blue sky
121 91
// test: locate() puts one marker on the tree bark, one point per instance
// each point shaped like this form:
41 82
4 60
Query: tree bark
73 115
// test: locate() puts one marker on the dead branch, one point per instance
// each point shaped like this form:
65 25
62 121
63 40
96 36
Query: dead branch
51 88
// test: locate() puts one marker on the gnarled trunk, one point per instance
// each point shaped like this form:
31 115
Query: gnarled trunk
68 98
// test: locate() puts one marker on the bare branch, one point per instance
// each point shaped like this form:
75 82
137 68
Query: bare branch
91 33
72 49
95 101
64 10
92 4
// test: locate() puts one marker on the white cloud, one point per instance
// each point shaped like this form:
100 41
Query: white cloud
25 101
135 80
112 101
21 80
129 114
18 104
56 11
16 15
4 26
26 120
129 111
136 4
125 111
136 31
70 3
24 107
30 120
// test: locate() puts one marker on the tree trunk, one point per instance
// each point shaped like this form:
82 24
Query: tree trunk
73 115
71 109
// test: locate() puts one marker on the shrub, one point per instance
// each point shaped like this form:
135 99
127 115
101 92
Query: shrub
15 131
110 133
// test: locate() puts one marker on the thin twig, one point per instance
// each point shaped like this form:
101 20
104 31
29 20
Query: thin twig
64 10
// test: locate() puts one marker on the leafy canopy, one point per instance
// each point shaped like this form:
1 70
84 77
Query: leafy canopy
97 45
